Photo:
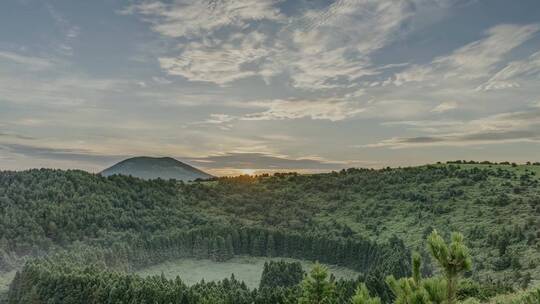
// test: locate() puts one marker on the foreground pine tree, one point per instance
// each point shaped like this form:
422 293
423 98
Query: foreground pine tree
317 288
362 296
453 258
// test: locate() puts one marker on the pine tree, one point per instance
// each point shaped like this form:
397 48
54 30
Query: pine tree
229 247
316 288
245 243
214 250
362 296
270 246
454 259
222 253
258 245
416 290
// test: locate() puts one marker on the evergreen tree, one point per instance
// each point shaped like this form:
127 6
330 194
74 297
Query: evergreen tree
281 274
317 288
362 296
229 247
270 246
214 250
416 290
453 258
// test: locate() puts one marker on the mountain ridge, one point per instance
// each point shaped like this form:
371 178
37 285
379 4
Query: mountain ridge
146 167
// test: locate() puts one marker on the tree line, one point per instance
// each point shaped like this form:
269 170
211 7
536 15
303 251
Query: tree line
52 280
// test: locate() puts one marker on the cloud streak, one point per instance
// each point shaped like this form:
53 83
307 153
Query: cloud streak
63 154
263 161
473 61
513 74
523 126
29 62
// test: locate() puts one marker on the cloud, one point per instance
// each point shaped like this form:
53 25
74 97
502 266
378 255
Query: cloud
221 61
522 126
478 58
193 18
73 90
295 109
15 135
70 32
319 48
161 80
265 161
29 62
332 46
473 61
460 139
445 107
53 85
63 154
323 109
395 108
513 73
219 119
351 105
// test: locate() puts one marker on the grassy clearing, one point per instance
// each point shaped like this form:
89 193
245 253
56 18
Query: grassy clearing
247 269
5 280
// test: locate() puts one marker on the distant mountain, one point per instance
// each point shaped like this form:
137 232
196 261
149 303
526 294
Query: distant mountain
156 167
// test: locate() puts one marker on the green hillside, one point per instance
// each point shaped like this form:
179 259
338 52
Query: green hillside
496 207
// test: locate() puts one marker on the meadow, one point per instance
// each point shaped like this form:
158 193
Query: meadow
244 268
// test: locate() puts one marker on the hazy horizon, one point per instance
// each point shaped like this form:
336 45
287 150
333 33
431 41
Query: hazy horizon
268 85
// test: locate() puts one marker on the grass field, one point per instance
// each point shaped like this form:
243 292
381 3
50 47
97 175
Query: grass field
247 269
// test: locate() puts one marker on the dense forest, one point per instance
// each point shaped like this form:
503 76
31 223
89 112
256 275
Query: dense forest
71 279
368 220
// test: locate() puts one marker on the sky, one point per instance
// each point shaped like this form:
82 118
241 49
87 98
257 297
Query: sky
236 86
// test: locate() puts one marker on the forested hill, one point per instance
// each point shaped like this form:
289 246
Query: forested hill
497 207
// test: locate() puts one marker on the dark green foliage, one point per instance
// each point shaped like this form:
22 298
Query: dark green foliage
328 217
84 275
281 274
482 291
317 287
42 209
454 259
362 296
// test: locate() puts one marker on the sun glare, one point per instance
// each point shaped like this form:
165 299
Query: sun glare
247 171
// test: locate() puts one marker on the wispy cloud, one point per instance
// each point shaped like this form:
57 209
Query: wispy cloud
295 109
221 61
69 31
266 161
193 18
322 48
514 73
523 126
331 109
473 61
15 135
445 107
51 153
332 46
57 90
29 62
